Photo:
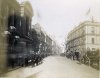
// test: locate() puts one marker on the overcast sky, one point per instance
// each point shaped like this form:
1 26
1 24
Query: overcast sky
58 17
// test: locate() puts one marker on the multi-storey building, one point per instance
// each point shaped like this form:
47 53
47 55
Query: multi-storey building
26 18
15 31
84 37
9 9
45 41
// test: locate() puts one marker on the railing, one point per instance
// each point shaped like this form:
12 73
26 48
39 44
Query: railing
91 61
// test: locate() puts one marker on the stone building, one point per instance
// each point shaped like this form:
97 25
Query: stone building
9 9
84 37
45 44
26 17
15 31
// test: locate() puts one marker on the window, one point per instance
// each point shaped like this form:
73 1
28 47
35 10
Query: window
92 30
92 40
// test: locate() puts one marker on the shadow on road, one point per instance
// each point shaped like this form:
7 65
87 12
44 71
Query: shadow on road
34 75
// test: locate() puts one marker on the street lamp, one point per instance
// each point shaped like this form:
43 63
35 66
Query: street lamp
5 33
17 37
12 27
39 47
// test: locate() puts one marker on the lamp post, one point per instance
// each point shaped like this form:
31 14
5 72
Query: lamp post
39 47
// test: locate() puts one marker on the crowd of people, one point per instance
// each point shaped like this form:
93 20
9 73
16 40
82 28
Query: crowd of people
74 55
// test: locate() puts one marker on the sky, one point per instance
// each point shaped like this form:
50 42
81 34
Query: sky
58 17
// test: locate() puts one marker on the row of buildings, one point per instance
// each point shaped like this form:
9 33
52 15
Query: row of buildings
19 40
85 37
46 41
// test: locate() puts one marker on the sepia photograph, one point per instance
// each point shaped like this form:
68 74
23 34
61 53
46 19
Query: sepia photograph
49 38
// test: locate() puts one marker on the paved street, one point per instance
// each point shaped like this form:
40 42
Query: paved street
56 67
23 72
60 67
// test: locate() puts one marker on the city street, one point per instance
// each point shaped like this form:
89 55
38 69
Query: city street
61 67
49 39
56 67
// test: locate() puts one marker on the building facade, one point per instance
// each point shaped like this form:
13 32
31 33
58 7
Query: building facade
45 42
15 32
8 18
26 18
84 37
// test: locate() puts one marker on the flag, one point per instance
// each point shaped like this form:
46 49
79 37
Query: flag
38 14
88 12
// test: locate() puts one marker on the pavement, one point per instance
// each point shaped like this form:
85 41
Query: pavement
23 72
55 67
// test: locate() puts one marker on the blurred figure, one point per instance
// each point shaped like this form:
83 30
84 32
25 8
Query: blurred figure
77 55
